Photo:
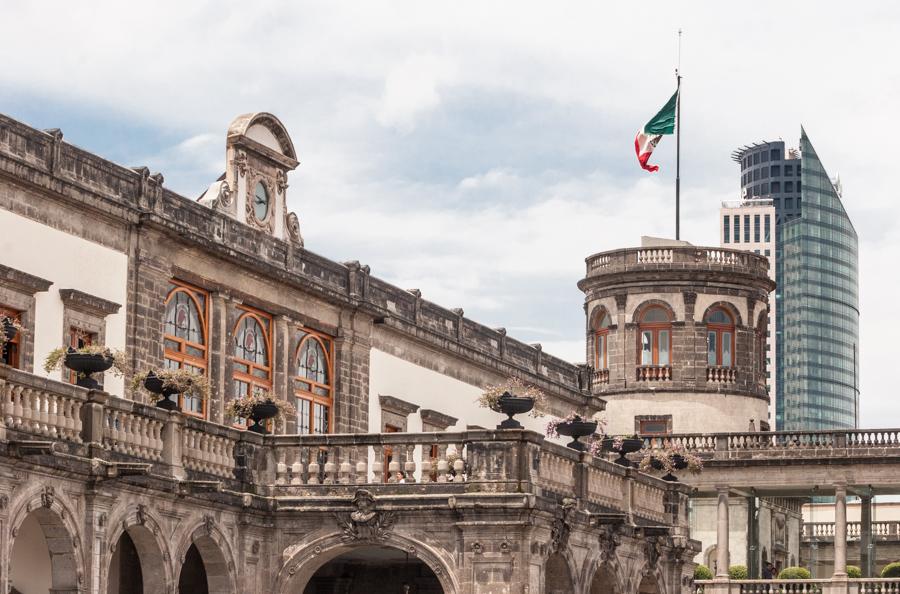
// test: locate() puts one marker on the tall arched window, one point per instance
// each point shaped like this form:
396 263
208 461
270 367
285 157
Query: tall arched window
184 337
719 338
655 337
313 383
762 342
601 341
252 348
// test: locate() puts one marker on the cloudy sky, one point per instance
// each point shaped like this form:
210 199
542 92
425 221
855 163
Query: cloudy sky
480 150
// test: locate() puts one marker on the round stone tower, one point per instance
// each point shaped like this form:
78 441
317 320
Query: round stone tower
676 336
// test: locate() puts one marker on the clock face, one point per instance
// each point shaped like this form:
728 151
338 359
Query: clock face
260 202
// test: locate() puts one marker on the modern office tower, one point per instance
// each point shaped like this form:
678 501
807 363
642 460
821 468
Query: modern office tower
816 305
750 225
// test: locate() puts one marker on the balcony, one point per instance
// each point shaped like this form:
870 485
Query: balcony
677 258
600 376
721 375
654 373
108 436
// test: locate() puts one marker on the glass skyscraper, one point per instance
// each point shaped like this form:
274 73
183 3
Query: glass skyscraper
817 293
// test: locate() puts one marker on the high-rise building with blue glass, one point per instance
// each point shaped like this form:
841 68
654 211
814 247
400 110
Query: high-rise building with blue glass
817 294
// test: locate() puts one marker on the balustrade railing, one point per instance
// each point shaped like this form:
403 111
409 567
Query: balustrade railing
40 407
813 586
600 376
654 256
825 530
721 375
183 447
654 373
675 256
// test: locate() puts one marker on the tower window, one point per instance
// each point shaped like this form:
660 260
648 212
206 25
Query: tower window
655 337
719 338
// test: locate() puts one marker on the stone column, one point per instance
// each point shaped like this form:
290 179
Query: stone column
840 531
753 571
866 543
722 534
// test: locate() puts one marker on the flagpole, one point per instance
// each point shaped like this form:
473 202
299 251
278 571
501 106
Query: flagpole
678 145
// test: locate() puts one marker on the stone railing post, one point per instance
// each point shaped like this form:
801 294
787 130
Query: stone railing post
92 418
721 443
173 436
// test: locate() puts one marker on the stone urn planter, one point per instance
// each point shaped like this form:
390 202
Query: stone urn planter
513 405
9 329
577 429
629 445
679 463
260 413
154 384
87 364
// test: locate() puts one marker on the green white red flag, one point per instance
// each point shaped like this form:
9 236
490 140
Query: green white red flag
649 136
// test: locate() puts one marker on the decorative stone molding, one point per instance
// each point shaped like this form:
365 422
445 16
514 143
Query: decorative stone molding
292 228
365 523
433 420
397 406
81 301
610 538
559 531
47 496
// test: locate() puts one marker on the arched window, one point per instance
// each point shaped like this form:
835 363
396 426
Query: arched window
655 337
719 338
252 345
184 337
10 355
313 383
762 342
601 342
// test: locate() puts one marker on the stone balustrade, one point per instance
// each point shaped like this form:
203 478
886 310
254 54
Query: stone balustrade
825 530
42 408
688 257
117 431
654 373
600 376
816 586
721 375
829 439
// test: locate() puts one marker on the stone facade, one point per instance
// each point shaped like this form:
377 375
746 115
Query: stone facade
678 383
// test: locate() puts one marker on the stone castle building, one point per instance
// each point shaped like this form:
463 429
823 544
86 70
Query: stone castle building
101 492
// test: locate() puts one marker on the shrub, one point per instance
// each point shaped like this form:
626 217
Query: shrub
853 571
891 570
794 573
737 572
702 572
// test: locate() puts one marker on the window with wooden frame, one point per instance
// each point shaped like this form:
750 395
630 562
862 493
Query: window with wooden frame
10 355
601 342
655 337
78 339
719 338
314 383
252 354
185 337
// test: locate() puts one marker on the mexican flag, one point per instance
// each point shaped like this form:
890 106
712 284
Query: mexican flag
649 136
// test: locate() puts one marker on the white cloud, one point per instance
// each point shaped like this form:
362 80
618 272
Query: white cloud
411 90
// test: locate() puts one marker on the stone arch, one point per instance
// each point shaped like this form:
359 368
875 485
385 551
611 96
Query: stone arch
727 306
559 570
651 581
597 315
302 561
604 576
216 553
645 305
60 532
241 125
145 531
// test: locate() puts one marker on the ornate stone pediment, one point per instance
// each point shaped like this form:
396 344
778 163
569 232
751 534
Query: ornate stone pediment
365 523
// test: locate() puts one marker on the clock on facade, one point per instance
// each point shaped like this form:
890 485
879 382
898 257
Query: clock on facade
260 202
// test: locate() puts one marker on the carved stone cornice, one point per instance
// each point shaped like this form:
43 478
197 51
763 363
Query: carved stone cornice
397 406
22 281
89 304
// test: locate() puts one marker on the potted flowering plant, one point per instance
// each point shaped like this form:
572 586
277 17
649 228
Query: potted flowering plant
258 406
669 458
512 397
572 426
623 444
168 382
10 327
86 361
